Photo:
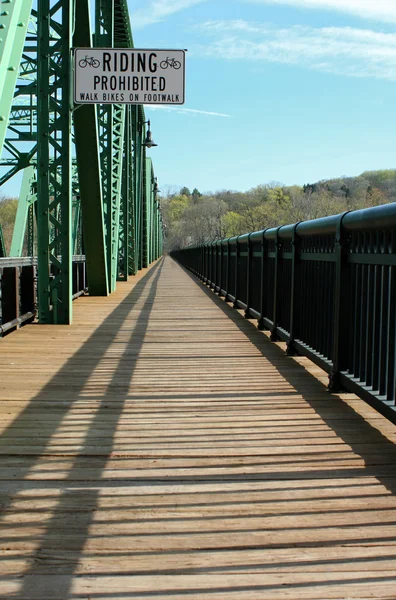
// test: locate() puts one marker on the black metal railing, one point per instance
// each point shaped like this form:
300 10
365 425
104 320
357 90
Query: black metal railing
327 287
18 290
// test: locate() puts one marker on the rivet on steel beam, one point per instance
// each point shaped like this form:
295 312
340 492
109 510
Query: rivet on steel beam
2 118
5 13
21 24
11 69
2 26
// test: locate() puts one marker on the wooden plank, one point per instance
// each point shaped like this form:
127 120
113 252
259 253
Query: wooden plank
158 448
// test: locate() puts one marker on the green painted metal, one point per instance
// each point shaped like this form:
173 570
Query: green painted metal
89 189
14 19
3 251
116 181
26 199
89 172
20 140
54 168
125 259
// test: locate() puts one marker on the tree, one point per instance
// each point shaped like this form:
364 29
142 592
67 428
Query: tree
197 218
196 194
185 192
8 209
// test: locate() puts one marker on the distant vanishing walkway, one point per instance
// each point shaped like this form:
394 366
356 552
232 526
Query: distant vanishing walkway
162 447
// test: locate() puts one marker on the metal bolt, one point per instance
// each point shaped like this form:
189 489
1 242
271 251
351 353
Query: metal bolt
21 24
5 13
11 69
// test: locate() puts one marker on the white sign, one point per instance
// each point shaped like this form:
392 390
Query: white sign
128 76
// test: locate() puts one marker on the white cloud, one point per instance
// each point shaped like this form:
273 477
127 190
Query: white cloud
186 111
158 10
381 10
340 50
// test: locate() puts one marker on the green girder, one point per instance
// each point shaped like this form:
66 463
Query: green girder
88 186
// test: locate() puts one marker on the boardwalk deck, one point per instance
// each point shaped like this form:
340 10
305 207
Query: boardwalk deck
162 447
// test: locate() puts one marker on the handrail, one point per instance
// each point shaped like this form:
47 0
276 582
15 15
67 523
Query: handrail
23 261
18 289
327 287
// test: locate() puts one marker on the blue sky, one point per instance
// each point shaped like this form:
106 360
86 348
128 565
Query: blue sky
276 90
293 91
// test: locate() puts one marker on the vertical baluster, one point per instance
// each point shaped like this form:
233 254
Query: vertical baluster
391 354
237 254
260 324
278 249
248 278
227 284
342 298
294 300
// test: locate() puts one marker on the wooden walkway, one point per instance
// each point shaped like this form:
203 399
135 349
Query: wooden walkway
162 447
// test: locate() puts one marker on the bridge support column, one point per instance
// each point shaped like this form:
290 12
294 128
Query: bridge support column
54 176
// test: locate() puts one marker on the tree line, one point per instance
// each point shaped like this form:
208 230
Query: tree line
192 218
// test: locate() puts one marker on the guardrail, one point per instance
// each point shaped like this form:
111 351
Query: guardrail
18 289
327 287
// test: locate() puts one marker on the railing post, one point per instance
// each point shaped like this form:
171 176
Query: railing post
260 324
342 294
28 289
220 262
227 277
278 246
214 266
9 294
210 264
206 264
237 254
248 278
294 299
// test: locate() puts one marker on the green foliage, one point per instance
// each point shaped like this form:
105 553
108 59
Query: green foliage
193 218
185 192
8 209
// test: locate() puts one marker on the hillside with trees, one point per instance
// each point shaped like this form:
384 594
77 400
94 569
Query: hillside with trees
8 208
193 218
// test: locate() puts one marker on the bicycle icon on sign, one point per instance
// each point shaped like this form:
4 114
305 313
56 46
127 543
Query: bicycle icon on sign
89 61
170 62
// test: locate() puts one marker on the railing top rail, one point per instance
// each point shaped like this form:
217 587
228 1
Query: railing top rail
27 261
367 219
371 219
323 226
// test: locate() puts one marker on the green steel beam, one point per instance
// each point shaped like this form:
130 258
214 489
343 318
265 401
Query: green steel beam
20 141
26 198
89 173
124 257
54 168
14 20
76 216
116 181
122 231
148 201
3 252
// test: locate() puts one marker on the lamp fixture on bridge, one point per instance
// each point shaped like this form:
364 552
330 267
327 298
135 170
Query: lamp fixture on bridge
149 142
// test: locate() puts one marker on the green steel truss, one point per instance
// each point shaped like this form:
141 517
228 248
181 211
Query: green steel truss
87 184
